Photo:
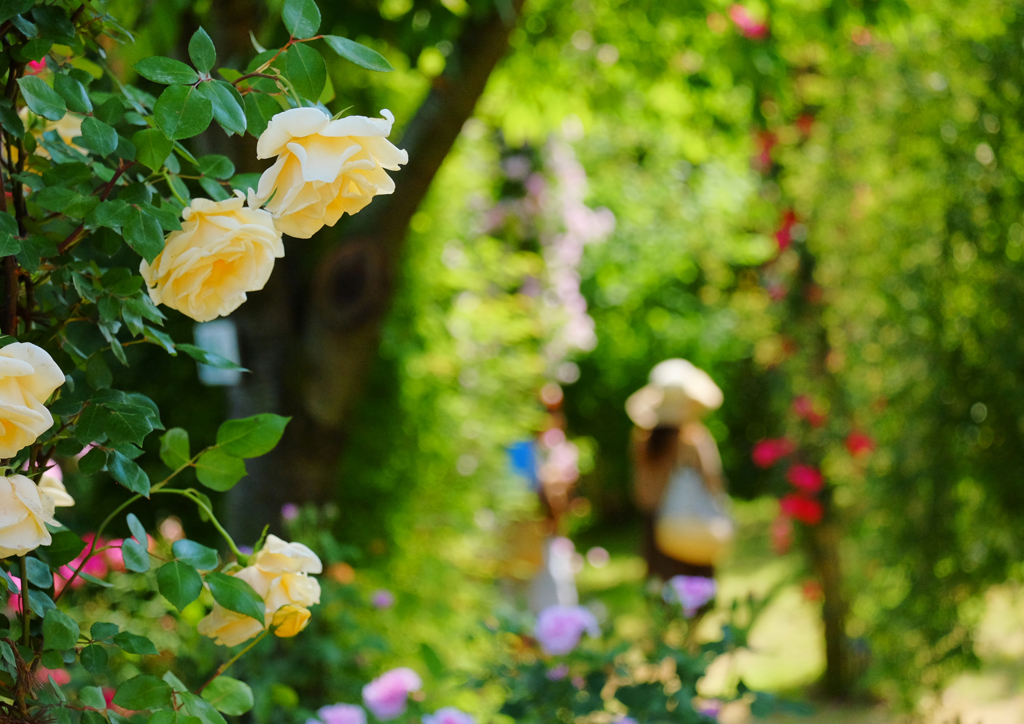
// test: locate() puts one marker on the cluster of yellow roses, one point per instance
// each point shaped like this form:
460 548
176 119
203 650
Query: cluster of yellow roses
28 376
324 169
280 575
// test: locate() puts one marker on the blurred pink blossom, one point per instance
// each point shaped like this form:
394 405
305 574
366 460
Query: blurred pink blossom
559 628
768 452
692 592
289 511
387 695
557 673
60 676
383 599
448 715
340 714
746 24
805 477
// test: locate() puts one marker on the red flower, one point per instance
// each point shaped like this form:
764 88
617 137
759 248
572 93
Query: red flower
805 510
784 236
768 452
812 590
805 477
805 123
804 408
746 24
859 443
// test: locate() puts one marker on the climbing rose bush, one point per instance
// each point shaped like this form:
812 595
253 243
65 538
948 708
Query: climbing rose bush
560 628
110 221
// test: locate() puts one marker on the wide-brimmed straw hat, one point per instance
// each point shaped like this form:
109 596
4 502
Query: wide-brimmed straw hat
675 387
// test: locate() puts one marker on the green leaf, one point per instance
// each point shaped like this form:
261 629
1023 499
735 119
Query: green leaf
236 595
259 109
10 8
301 17
195 554
63 548
103 630
144 234
9 245
250 437
182 112
41 98
136 557
227 105
213 189
60 631
9 119
219 471
174 448
128 422
92 462
73 93
134 644
229 696
179 583
209 358
358 53
136 527
94 659
128 473
165 70
199 710
219 167
39 574
201 51
97 372
306 70
99 137
152 148
143 692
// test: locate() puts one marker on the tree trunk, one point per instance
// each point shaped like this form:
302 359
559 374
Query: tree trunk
310 337
825 558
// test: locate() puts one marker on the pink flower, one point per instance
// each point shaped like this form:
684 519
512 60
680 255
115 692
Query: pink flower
626 720
558 672
806 510
383 599
805 478
386 695
340 714
448 715
559 628
36 67
859 443
290 511
710 708
784 236
692 592
60 676
746 24
768 452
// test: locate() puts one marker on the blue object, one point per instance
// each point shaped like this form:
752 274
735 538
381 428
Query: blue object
522 457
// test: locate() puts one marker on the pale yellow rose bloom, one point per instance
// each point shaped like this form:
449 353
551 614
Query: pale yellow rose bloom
56 491
68 128
324 168
28 376
278 556
279 591
222 251
24 513
290 620
229 628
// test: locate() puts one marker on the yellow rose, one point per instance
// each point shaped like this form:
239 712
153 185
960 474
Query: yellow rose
221 252
279 591
55 490
290 620
324 168
28 376
24 513
229 628
277 556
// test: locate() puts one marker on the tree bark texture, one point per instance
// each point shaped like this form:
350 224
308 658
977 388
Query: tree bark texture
311 336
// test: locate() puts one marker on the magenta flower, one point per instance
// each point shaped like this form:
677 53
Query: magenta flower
558 672
340 714
691 592
448 715
559 628
386 696
289 511
805 478
768 452
383 599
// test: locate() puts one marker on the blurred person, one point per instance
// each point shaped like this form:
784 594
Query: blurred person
678 483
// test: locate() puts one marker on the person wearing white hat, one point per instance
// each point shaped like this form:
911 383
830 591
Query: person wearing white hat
678 481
